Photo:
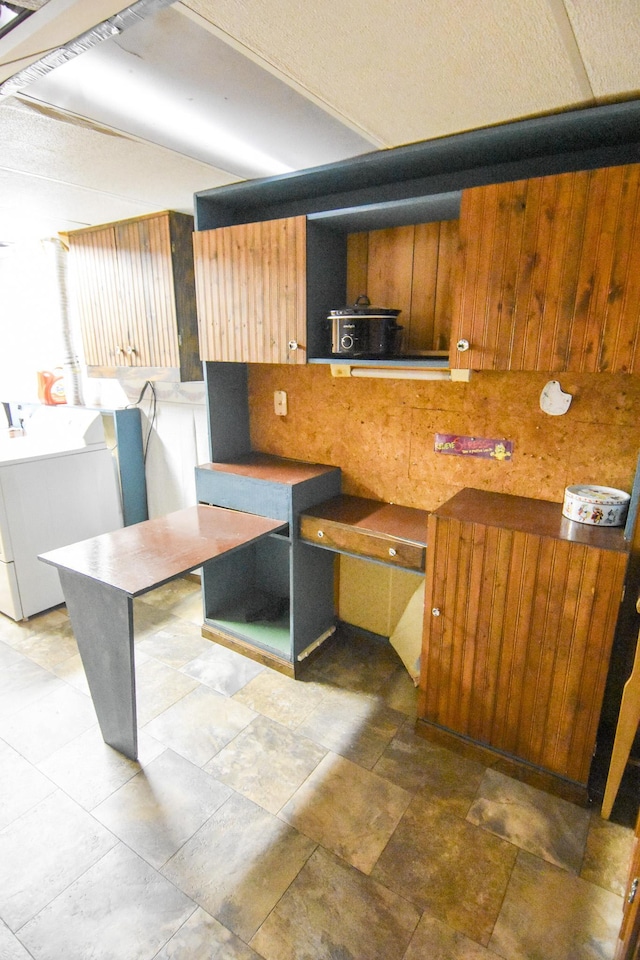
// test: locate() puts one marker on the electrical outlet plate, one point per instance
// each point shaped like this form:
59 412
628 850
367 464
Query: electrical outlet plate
280 402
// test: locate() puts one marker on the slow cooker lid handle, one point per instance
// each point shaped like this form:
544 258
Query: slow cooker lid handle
362 301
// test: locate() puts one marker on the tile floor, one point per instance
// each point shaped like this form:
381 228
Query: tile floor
271 818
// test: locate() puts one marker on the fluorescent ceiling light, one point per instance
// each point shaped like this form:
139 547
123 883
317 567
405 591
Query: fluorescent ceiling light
106 30
158 113
171 82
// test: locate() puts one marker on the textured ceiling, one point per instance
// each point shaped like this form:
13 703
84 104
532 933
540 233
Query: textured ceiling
414 70
389 73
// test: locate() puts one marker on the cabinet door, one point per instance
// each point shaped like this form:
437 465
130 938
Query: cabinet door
147 295
629 939
550 274
251 292
98 298
518 633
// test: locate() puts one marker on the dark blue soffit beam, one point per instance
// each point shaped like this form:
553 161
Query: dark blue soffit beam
579 139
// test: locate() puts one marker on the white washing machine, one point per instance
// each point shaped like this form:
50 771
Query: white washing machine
58 484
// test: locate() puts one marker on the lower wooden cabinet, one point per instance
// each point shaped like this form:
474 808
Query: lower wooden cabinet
520 612
628 947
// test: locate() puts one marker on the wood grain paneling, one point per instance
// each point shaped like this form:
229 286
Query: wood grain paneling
251 291
518 656
549 273
411 269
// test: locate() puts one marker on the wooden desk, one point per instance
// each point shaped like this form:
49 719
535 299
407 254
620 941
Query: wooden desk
101 576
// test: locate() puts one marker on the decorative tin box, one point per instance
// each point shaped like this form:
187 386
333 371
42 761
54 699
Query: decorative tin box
603 506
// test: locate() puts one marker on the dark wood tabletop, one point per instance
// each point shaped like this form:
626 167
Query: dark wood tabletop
143 556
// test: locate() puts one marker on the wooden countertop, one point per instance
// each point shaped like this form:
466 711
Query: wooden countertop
266 466
541 517
143 556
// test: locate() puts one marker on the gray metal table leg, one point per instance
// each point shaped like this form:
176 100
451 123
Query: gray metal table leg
102 621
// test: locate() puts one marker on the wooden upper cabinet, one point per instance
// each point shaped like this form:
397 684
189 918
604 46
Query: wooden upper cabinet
251 292
133 288
550 274
519 625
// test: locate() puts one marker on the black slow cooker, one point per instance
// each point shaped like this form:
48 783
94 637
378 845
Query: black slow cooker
371 333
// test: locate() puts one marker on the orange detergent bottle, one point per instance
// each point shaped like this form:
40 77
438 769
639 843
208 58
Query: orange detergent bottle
51 386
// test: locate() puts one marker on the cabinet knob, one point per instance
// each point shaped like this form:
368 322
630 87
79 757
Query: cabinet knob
633 890
392 551
320 533
462 346
435 612
131 351
118 351
293 344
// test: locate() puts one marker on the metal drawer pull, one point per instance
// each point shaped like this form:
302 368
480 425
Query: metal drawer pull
320 533
392 552
462 346
436 612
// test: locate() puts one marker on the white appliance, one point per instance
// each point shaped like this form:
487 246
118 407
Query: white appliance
58 484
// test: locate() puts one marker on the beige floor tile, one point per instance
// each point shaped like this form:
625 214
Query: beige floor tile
533 820
221 669
158 687
9 656
347 809
281 698
238 865
162 807
89 770
23 683
331 910
120 908
175 644
355 725
434 940
48 647
607 855
203 937
10 946
445 865
170 595
21 786
266 763
72 671
200 724
356 661
43 851
400 693
550 914
44 726
420 765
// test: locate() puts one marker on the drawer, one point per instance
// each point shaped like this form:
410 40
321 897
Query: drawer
344 538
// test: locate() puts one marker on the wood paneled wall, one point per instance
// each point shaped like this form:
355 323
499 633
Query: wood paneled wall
410 269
